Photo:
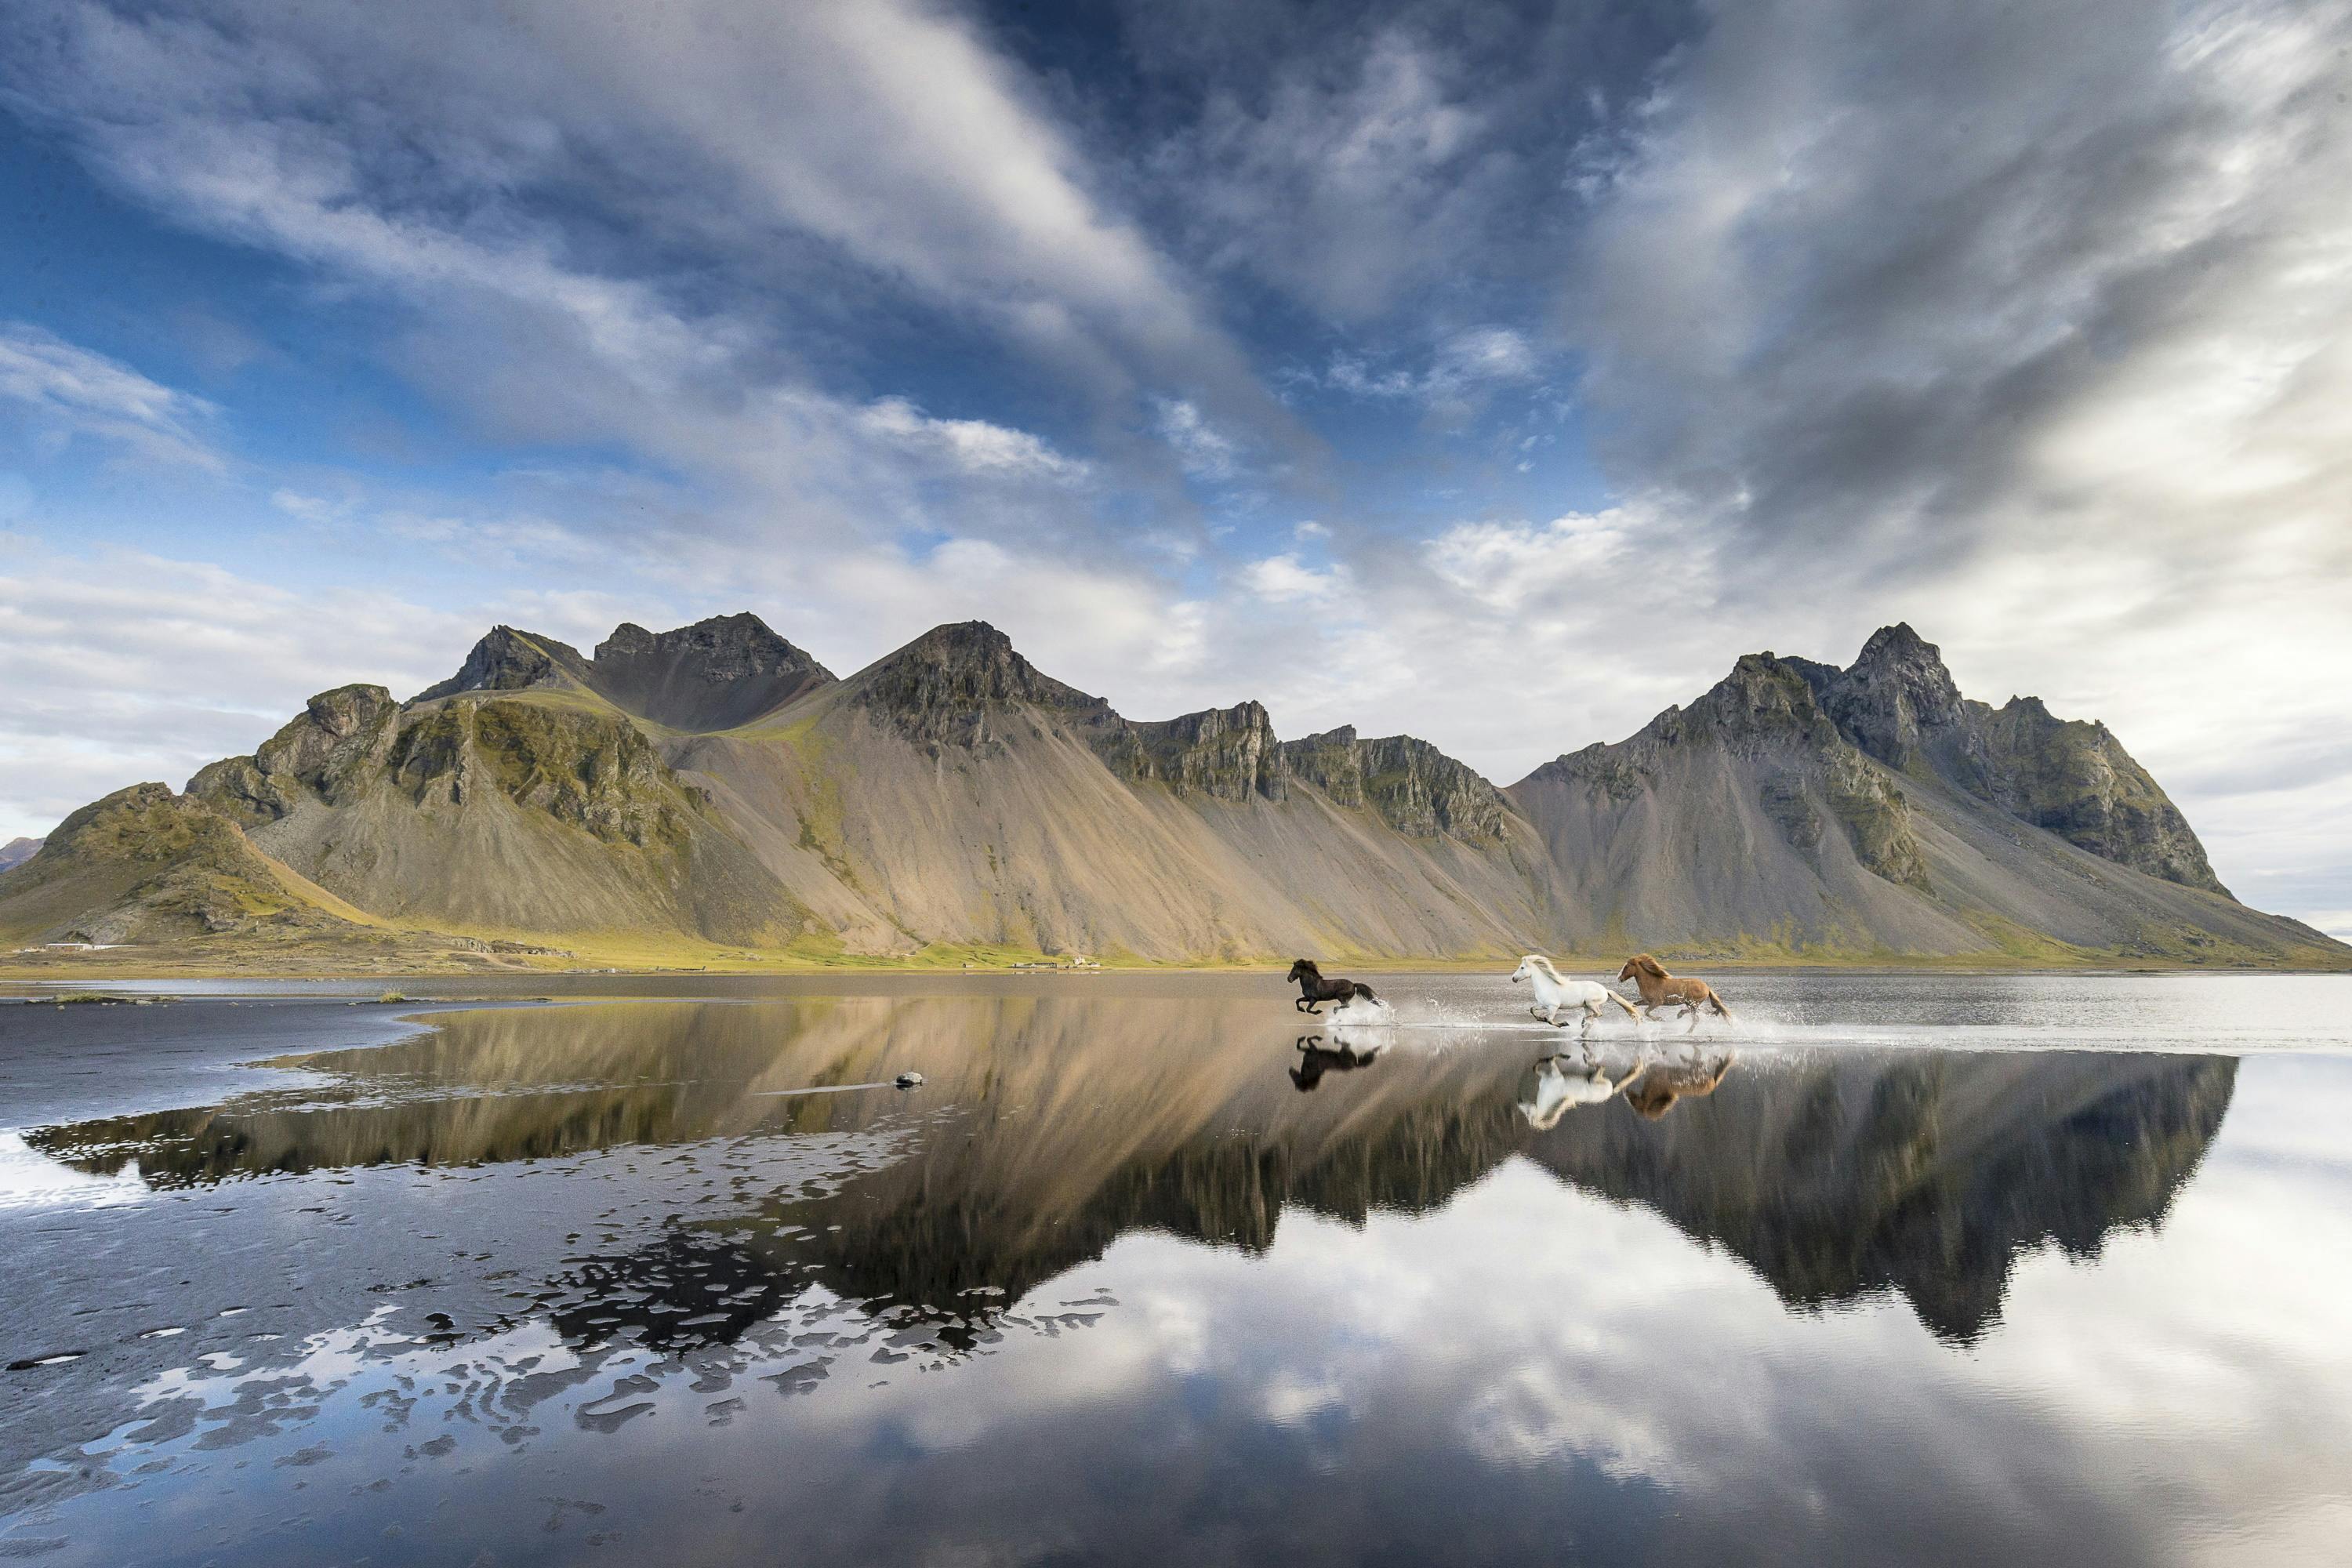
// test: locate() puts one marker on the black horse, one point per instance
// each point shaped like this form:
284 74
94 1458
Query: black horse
1314 988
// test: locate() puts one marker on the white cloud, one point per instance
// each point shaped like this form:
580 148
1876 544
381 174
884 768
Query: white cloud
1484 353
1204 453
84 393
1287 580
1505 566
972 446
1464 368
308 508
1350 374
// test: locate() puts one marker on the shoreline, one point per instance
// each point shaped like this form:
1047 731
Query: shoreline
84 972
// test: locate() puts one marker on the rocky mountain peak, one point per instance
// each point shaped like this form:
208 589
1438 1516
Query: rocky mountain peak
1897 644
347 709
16 851
940 686
339 733
713 675
510 661
1898 700
1763 702
722 649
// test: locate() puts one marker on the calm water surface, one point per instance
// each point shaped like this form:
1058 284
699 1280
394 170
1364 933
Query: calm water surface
1897 1269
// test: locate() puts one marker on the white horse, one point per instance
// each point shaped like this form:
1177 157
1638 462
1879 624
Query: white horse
1553 993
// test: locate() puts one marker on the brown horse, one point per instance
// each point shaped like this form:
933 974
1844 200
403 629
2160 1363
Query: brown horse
1662 1086
1660 989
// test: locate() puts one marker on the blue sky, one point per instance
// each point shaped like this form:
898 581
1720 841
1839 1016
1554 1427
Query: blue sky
1492 373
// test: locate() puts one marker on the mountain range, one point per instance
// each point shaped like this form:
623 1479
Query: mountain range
714 795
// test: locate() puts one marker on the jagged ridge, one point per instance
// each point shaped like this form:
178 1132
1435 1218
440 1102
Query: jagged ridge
715 783
713 675
1898 702
1415 788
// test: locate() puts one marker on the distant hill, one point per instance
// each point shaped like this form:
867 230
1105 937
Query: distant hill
16 851
714 791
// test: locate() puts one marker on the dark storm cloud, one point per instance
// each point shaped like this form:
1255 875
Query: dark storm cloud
1863 258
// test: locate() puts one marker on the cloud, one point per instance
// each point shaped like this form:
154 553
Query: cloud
585 250
972 446
1325 188
445 147
1507 565
1925 286
1463 370
83 393
1287 580
1204 453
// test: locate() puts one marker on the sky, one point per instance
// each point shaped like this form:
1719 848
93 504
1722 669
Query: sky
1495 373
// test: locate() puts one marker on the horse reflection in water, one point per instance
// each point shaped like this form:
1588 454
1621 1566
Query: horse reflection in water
1556 1085
1316 1058
1549 1088
1667 1082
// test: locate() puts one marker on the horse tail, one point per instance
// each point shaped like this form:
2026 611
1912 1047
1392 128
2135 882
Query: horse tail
1365 992
1627 1005
1717 1002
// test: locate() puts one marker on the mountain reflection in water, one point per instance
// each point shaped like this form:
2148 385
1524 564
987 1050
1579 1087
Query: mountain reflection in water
1046 1126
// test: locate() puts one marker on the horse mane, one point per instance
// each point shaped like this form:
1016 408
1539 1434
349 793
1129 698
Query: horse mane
1651 966
1306 964
1544 963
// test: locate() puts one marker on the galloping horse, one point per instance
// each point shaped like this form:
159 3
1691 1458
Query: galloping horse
1314 988
1553 993
1660 989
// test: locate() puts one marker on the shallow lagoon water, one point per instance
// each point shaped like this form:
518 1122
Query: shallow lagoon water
1897 1269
